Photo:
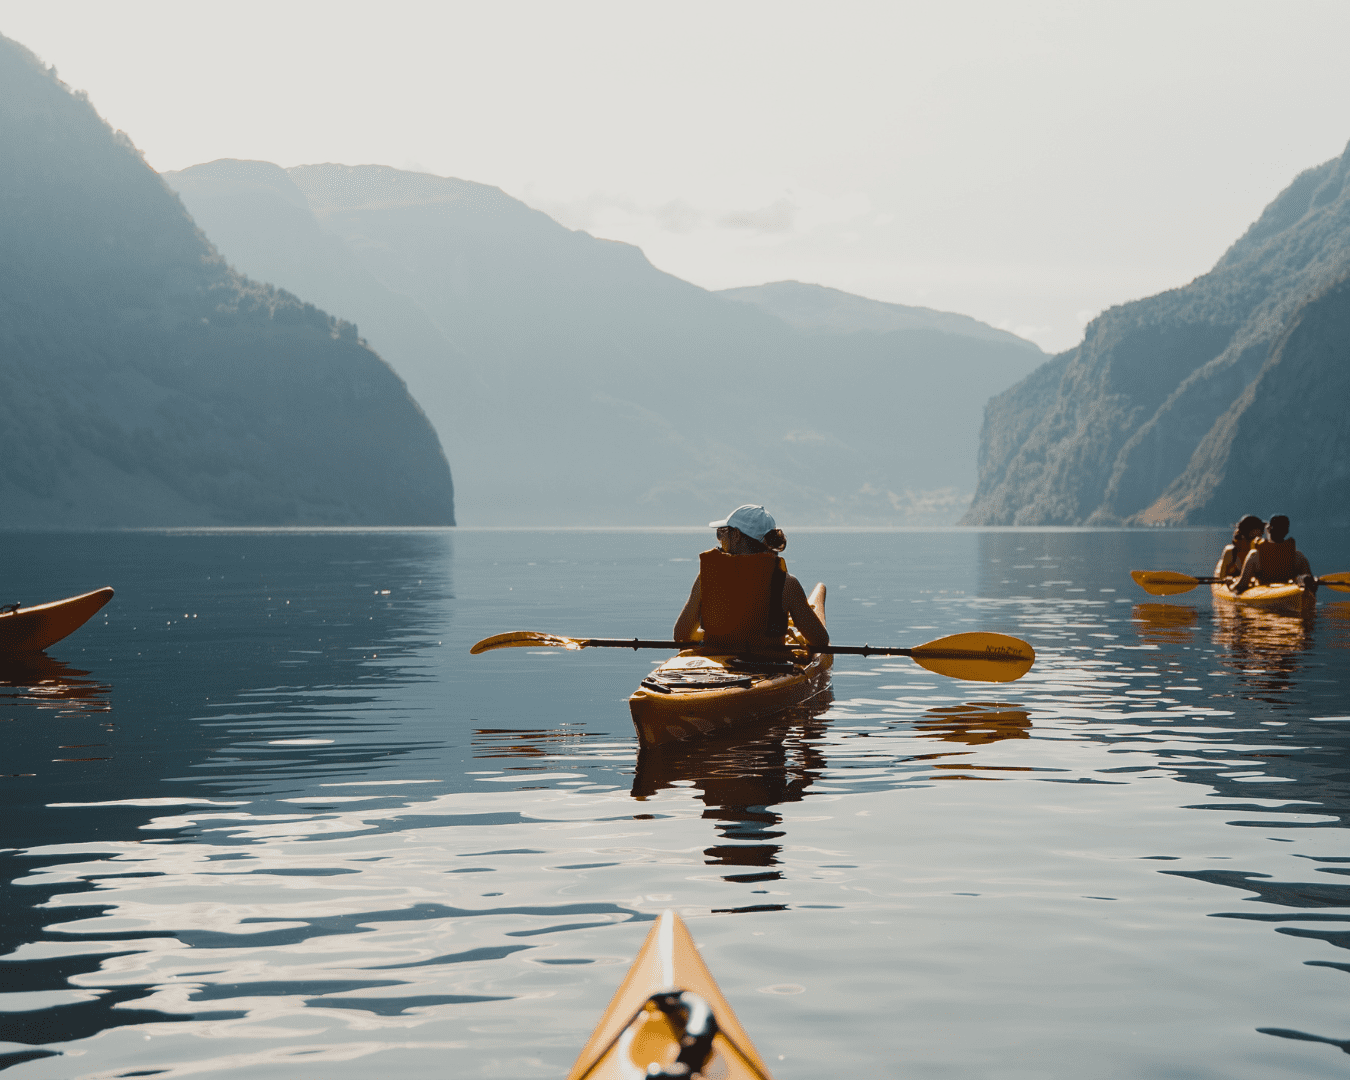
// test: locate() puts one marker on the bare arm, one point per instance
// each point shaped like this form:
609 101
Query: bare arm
803 615
688 621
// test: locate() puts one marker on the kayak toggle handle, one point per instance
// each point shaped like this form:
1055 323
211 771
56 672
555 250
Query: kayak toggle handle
10 608
692 1017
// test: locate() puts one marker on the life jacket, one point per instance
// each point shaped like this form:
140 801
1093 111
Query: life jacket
742 598
1277 560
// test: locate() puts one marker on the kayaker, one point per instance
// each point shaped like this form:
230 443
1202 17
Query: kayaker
1234 555
1274 559
743 594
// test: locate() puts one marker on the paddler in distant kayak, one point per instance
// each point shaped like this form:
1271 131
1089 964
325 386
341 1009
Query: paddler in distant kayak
1234 555
1274 559
743 594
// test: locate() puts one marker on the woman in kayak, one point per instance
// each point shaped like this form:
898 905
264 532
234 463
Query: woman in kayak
1234 555
743 594
1275 559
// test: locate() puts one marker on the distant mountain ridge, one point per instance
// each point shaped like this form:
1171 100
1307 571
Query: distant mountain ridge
574 383
1150 419
143 382
818 307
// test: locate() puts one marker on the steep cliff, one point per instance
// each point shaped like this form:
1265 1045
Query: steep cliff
1119 420
143 382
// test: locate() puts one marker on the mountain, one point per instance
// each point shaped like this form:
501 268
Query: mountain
573 383
1156 417
144 382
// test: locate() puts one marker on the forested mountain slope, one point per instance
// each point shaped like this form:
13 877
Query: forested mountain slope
143 382
1130 426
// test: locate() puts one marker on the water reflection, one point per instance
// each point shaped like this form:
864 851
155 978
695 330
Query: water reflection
739 779
35 679
976 723
1164 624
1263 647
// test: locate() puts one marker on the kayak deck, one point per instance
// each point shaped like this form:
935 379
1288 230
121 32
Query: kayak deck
32 629
1287 598
640 1032
694 694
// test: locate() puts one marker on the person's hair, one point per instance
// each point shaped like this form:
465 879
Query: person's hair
774 540
1247 525
1278 527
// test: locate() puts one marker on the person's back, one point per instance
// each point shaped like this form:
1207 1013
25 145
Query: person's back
743 595
1275 559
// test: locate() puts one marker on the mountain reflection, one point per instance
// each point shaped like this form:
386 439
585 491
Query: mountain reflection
739 778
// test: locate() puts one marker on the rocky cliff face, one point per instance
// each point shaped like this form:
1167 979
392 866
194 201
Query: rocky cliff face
574 383
143 382
1127 427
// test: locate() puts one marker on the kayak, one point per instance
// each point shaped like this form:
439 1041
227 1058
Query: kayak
1287 598
668 999
32 629
695 693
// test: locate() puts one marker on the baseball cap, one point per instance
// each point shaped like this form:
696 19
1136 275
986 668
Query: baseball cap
754 521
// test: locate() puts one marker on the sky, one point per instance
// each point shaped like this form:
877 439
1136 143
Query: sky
1027 163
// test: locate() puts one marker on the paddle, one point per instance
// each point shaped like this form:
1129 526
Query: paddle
1169 582
977 657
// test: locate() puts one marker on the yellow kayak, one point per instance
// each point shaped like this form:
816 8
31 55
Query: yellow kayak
669 1019
694 694
32 629
1286 598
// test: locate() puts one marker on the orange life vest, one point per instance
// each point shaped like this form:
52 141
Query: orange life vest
742 598
1277 560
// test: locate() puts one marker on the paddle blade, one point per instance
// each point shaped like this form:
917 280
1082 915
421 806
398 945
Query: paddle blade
1163 582
521 639
1340 581
977 657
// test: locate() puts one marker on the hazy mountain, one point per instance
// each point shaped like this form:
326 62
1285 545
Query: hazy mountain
574 383
1144 422
816 307
143 382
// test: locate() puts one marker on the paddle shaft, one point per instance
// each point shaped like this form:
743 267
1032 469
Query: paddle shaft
834 650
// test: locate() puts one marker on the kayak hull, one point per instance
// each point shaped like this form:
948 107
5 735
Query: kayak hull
629 1037
32 629
1286 599
689 713
695 694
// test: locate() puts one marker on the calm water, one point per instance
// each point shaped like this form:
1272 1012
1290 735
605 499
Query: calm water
265 816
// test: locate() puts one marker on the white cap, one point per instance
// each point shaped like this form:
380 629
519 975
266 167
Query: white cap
754 521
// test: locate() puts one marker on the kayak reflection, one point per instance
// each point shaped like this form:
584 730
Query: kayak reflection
739 779
1263 647
1164 624
976 723
35 679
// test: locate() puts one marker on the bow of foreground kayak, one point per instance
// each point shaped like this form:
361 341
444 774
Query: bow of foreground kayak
669 1019
32 629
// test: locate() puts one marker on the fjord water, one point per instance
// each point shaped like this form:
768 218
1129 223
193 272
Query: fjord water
265 816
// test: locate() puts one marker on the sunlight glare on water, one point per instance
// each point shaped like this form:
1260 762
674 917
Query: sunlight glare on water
266 817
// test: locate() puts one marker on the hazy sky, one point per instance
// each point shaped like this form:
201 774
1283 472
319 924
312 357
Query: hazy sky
1026 163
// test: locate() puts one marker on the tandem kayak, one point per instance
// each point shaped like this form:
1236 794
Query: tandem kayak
695 693
1287 598
668 1019
32 629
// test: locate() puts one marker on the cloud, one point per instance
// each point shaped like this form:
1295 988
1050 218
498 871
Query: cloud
777 217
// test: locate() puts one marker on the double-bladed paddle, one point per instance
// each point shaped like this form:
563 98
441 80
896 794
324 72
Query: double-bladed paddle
978 657
1170 583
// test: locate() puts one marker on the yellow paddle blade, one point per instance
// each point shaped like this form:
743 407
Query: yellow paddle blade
1340 581
978 657
1163 582
520 639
